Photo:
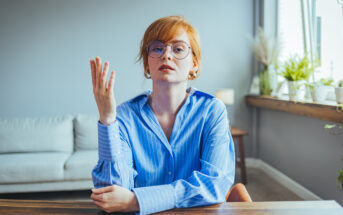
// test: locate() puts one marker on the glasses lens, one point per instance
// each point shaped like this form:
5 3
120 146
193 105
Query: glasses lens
156 49
180 50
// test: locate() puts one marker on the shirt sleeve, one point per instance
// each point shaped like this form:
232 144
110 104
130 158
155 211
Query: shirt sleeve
115 164
207 186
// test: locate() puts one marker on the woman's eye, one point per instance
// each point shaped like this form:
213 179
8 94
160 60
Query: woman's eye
179 49
157 49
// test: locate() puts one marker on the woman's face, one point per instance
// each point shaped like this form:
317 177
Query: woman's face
167 68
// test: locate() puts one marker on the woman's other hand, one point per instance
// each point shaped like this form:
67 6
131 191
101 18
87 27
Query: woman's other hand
115 199
103 94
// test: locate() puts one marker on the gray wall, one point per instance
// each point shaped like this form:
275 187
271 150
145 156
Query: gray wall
302 149
45 47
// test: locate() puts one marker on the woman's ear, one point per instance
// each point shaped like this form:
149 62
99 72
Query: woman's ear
147 73
193 73
195 66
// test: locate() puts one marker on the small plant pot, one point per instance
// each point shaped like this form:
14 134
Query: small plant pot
319 93
294 90
339 95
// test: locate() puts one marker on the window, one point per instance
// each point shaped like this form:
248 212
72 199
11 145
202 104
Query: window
315 26
330 22
290 31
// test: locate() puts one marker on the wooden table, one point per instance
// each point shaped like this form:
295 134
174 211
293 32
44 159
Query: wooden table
237 136
24 207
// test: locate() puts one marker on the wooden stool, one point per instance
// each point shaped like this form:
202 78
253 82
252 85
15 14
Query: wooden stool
238 134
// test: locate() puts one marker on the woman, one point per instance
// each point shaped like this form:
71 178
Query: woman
166 148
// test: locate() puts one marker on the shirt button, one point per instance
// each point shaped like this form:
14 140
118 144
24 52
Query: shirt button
169 173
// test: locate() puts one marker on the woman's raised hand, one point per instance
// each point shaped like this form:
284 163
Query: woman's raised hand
103 94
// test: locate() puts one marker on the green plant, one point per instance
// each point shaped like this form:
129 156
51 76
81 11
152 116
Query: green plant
296 68
338 127
326 82
340 83
329 127
340 178
339 107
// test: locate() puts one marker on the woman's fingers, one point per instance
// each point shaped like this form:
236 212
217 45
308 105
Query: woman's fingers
101 74
112 79
99 204
98 72
103 96
93 71
103 189
104 75
97 197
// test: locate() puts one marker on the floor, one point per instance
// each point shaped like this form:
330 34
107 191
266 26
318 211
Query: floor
260 186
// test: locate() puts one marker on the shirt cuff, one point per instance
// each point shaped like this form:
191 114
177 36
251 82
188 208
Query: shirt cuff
154 199
109 141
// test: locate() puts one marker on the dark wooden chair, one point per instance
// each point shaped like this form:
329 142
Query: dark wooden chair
237 135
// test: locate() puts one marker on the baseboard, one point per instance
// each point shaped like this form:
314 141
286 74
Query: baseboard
283 179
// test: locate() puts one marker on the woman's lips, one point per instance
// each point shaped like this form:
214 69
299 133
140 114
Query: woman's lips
165 68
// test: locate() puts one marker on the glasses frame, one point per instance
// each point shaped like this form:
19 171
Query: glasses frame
165 48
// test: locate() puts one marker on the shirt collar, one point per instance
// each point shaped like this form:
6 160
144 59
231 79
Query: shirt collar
143 98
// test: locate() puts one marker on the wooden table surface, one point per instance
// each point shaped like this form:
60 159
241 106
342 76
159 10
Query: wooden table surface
10 206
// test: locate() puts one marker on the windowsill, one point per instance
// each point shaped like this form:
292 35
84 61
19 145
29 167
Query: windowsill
328 111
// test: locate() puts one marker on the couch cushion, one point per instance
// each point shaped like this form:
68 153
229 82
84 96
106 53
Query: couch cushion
53 134
81 164
86 132
32 167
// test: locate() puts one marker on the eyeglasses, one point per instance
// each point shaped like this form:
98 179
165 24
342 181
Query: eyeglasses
180 49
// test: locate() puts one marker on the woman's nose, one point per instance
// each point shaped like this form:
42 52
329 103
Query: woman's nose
167 53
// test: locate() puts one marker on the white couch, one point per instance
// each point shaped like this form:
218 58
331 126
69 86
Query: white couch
47 154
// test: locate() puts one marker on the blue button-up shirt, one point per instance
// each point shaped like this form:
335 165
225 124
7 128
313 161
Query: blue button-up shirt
195 167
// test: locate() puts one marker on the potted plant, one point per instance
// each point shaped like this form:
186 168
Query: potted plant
339 92
296 70
266 51
320 89
337 129
340 178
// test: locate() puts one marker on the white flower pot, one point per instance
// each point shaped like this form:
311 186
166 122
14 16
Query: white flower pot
319 93
339 95
294 90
